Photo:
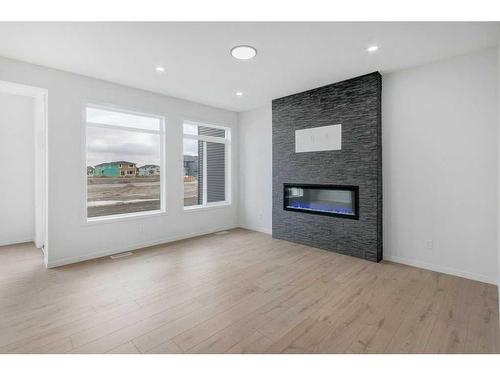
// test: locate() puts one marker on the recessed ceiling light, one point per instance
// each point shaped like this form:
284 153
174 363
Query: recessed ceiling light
243 52
372 49
160 69
239 93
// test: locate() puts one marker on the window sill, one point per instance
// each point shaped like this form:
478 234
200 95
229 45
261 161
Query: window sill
124 217
207 207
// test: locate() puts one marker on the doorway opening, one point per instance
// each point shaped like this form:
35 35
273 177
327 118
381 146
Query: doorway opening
23 118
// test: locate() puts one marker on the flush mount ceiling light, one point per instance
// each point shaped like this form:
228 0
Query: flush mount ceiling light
373 48
239 93
243 52
160 69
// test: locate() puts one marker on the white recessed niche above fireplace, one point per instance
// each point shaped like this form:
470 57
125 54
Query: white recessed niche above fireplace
321 138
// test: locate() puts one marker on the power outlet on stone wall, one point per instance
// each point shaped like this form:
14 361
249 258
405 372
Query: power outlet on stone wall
429 244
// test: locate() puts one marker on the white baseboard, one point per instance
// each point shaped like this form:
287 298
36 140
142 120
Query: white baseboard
256 229
137 246
16 241
442 269
45 255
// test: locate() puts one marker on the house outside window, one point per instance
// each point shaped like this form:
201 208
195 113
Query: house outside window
206 163
117 142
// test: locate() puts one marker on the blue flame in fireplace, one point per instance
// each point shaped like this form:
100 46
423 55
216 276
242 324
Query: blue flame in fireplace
312 206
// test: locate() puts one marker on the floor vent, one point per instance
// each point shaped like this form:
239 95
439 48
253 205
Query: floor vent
221 233
121 255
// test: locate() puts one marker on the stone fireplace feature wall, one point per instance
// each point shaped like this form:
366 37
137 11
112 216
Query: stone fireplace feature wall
356 104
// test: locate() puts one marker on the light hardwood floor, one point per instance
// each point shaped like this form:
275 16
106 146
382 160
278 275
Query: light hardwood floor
242 292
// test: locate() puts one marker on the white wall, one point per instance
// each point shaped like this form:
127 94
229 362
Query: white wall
256 169
17 176
69 238
439 166
498 177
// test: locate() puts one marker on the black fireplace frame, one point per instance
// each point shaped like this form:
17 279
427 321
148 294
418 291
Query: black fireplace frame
353 188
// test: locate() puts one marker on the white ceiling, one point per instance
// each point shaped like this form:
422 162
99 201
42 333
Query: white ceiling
292 57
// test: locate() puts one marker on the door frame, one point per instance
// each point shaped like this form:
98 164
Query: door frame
40 97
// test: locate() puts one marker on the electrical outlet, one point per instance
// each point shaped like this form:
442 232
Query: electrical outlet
429 244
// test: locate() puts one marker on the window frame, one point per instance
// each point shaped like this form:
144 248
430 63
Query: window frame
115 108
227 164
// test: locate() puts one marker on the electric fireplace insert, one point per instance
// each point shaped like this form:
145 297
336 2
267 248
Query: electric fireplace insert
331 200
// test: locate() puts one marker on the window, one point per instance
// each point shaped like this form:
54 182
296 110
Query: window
118 142
206 164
